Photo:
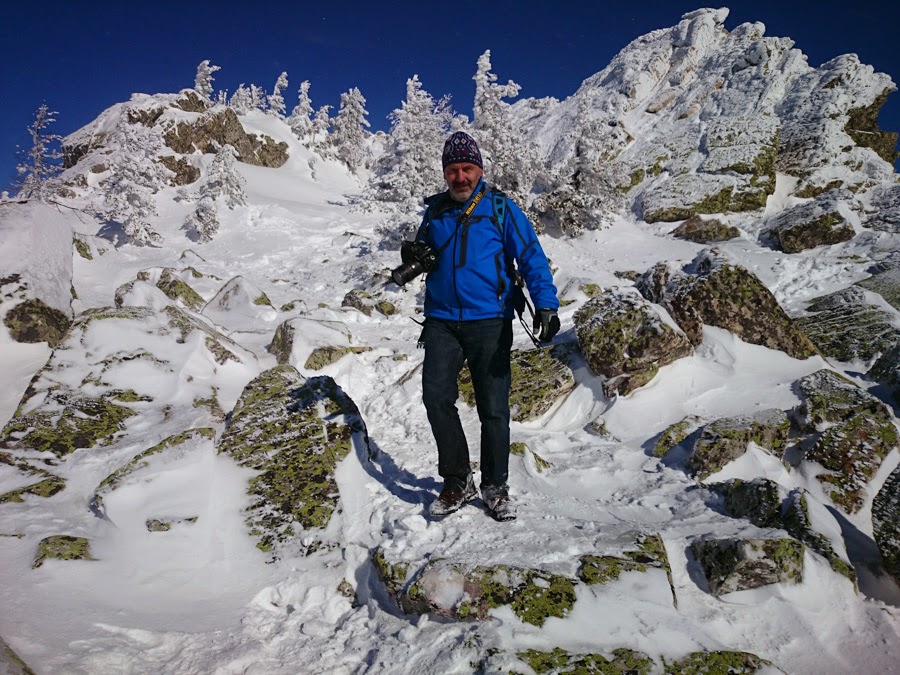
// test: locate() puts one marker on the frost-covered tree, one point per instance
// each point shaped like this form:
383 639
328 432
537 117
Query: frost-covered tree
513 161
224 183
300 121
348 136
38 165
257 97
204 79
321 142
240 101
276 99
411 166
136 176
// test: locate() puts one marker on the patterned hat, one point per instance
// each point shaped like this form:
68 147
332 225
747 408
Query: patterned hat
461 147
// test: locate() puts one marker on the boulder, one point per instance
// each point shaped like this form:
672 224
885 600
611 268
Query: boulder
704 231
293 432
886 283
626 339
731 565
886 523
730 662
726 439
815 223
10 662
883 212
846 326
184 172
540 377
648 555
830 398
767 505
561 661
240 305
886 370
713 291
62 547
312 343
675 434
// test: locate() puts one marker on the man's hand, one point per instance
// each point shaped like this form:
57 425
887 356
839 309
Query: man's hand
547 322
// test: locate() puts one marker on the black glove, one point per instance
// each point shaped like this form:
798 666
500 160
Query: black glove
547 322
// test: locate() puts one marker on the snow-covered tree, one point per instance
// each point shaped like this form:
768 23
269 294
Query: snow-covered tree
322 122
37 167
411 166
276 100
136 176
240 100
223 182
349 130
204 79
301 116
257 98
513 161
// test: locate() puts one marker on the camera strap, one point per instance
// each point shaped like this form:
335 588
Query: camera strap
465 215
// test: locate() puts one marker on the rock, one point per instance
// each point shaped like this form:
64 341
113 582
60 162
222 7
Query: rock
816 223
559 661
702 231
518 449
34 321
718 293
883 213
730 662
224 128
240 305
886 370
359 300
47 487
178 290
649 554
886 284
62 547
625 339
322 357
540 377
886 523
185 172
726 439
10 662
293 431
461 591
675 434
845 326
767 505
830 398
301 341
731 565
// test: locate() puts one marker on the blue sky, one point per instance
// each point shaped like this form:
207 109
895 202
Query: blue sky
82 58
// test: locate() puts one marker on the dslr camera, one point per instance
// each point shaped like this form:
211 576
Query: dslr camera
417 258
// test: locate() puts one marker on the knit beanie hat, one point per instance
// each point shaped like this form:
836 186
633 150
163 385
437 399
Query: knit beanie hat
461 147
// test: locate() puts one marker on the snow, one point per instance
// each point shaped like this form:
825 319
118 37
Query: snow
201 598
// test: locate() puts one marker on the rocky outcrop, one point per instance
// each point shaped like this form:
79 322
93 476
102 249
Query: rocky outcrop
293 432
886 370
767 505
311 343
648 554
886 283
625 339
713 291
855 433
240 305
731 565
705 231
559 661
731 662
62 547
846 326
366 303
726 439
883 212
184 172
540 377
816 223
34 321
675 434
222 127
886 523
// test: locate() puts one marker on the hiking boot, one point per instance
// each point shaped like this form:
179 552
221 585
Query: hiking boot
452 498
499 503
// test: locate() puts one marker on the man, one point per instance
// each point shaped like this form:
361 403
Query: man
469 311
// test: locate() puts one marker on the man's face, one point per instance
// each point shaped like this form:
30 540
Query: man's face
462 178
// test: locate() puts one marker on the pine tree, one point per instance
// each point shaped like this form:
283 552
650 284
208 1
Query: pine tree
37 169
257 98
301 116
136 176
513 161
276 100
204 219
204 79
222 182
240 101
411 167
349 135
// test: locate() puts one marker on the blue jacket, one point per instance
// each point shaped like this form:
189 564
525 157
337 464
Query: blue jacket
472 279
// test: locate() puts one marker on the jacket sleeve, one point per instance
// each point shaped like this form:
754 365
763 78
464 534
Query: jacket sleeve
523 245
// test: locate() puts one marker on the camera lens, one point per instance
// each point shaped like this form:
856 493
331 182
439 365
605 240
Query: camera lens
406 272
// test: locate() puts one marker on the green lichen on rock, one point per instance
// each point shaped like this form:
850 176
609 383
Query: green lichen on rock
386 308
862 127
262 300
10 662
519 449
704 231
83 248
293 431
539 378
761 501
591 290
66 422
62 547
726 439
675 434
845 326
886 523
717 663
560 662
34 321
45 488
830 398
394 576
636 177
282 342
360 300
165 524
824 230
742 564
625 340
322 357
140 461
178 290
886 283
811 190
649 553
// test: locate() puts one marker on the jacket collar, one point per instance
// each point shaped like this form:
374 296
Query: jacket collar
442 201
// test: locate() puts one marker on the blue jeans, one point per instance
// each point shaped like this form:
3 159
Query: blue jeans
485 345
